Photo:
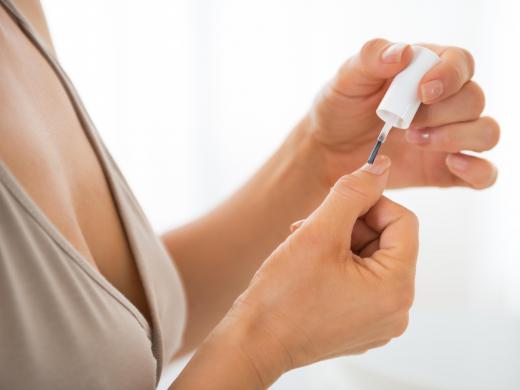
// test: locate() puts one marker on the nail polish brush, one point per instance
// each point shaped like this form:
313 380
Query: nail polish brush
401 102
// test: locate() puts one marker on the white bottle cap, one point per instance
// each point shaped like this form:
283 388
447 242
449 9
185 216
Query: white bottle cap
401 101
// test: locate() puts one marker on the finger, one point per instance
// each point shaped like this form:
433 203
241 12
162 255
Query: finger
366 72
472 171
398 228
466 105
362 236
454 70
478 136
296 225
349 198
369 249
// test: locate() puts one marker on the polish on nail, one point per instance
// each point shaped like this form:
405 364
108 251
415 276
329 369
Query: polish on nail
457 162
380 165
418 136
432 90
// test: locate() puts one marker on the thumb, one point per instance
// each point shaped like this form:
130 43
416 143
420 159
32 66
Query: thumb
366 72
352 196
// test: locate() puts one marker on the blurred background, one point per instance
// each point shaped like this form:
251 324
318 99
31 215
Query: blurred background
191 96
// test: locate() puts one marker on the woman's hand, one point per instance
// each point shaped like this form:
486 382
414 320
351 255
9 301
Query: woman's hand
344 123
342 283
335 137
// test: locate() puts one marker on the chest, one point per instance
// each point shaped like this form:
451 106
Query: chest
46 148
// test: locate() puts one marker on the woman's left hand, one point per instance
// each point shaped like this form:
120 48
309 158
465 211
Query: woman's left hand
344 124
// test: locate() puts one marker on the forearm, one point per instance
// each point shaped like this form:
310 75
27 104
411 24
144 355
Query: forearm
218 253
237 355
215 367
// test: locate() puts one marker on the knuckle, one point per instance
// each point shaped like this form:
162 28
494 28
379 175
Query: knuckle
305 248
477 99
350 186
449 141
369 45
470 61
403 289
400 325
314 241
307 237
465 60
491 132
402 300
392 305
461 65
413 219
382 343
406 298
457 73
410 217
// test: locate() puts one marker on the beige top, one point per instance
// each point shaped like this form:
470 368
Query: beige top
62 324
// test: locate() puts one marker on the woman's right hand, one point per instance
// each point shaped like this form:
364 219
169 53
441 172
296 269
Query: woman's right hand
341 284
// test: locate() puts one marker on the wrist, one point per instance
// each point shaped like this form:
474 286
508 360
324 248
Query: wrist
323 162
305 168
308 154
233 356
257 350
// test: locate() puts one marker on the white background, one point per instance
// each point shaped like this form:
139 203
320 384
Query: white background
192 95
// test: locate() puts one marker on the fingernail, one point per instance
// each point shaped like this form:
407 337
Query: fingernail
432 90
457 162
379 166
417 136
394 53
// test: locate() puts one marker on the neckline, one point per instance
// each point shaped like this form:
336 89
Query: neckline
30 206
96 144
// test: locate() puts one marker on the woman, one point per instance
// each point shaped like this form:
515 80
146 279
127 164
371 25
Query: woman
91 299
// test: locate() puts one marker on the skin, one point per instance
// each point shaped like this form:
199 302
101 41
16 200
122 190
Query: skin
452 121
45 147
352 267
334 138
355 244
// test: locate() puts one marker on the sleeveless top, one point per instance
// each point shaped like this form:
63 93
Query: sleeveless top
62 324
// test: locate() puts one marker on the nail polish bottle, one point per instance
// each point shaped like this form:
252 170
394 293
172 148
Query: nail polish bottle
401 100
